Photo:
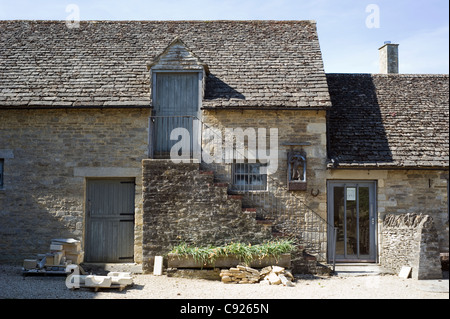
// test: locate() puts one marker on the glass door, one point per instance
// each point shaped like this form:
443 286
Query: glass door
351 209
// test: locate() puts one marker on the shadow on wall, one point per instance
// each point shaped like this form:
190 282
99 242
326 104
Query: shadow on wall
27 226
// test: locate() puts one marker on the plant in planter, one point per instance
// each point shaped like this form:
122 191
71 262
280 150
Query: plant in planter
243 252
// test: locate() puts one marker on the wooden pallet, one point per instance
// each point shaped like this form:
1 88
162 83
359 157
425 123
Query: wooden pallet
44 271
96 289
49 270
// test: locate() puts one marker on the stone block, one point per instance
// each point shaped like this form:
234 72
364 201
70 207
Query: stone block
98 281
273 279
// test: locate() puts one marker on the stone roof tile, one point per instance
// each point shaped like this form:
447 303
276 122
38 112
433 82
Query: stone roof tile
251 63
394 120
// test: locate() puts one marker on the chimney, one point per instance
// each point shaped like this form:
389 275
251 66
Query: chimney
389 58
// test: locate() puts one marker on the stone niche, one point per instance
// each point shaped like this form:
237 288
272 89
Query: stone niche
411 240
296 172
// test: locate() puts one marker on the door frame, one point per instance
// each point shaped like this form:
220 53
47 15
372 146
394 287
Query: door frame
87 217
373 218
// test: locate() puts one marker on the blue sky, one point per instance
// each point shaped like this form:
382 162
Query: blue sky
350 31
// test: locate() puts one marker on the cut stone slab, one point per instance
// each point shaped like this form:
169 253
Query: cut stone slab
285 281
98 281
274 279
405 272
277 269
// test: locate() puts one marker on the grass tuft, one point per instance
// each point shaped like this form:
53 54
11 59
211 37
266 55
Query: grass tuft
245 252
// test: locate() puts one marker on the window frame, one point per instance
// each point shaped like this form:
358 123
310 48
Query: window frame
247 175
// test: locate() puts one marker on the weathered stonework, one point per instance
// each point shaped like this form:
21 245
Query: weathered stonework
54 152
183 204
411 240
302 214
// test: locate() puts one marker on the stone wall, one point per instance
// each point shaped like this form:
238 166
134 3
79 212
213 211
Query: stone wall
293 127
300 213
183 204
415 191
411 240
49 155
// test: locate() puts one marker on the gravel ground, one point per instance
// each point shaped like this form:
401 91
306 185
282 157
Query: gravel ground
15 286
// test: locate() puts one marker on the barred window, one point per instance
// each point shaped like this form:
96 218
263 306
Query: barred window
248 177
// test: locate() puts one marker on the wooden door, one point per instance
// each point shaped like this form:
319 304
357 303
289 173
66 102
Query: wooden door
110 220
176 101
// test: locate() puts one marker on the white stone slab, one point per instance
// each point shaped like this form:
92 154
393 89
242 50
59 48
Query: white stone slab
405 272
157 268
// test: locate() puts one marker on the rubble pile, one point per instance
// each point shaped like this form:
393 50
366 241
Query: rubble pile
271 275
240 275
275 275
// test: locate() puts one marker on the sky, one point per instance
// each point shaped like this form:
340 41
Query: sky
350 31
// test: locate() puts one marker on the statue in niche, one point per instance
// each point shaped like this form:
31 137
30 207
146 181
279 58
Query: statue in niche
296 171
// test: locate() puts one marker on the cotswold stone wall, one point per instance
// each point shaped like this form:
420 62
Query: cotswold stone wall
183 204
418 192
49 154
411 240
293 127
302 214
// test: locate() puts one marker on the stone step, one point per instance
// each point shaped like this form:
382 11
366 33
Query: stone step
221 185
206 172
266 222
359 269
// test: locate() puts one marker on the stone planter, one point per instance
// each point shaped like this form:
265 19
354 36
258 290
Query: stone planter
175 261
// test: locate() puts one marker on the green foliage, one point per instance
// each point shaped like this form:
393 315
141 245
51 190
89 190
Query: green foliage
245 252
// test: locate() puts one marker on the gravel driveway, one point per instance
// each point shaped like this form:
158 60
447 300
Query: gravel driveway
15 286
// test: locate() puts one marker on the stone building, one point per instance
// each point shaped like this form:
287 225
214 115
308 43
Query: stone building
134 136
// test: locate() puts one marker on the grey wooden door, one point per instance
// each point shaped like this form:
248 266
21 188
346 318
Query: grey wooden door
110 220
176 100
352 210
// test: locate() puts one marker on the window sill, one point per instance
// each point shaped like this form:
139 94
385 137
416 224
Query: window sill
240 191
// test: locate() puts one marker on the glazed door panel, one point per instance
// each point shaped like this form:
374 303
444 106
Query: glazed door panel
351 208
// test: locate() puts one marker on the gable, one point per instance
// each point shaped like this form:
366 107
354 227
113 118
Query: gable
177 57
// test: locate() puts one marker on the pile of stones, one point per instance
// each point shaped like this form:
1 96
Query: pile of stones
271 275
240 275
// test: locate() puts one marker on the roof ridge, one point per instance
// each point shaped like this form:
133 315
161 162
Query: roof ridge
391 75
163 21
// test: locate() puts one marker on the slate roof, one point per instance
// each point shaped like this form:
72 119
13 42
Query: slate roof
104 63
395 120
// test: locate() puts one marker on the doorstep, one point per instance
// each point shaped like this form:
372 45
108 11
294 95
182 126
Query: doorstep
359 269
